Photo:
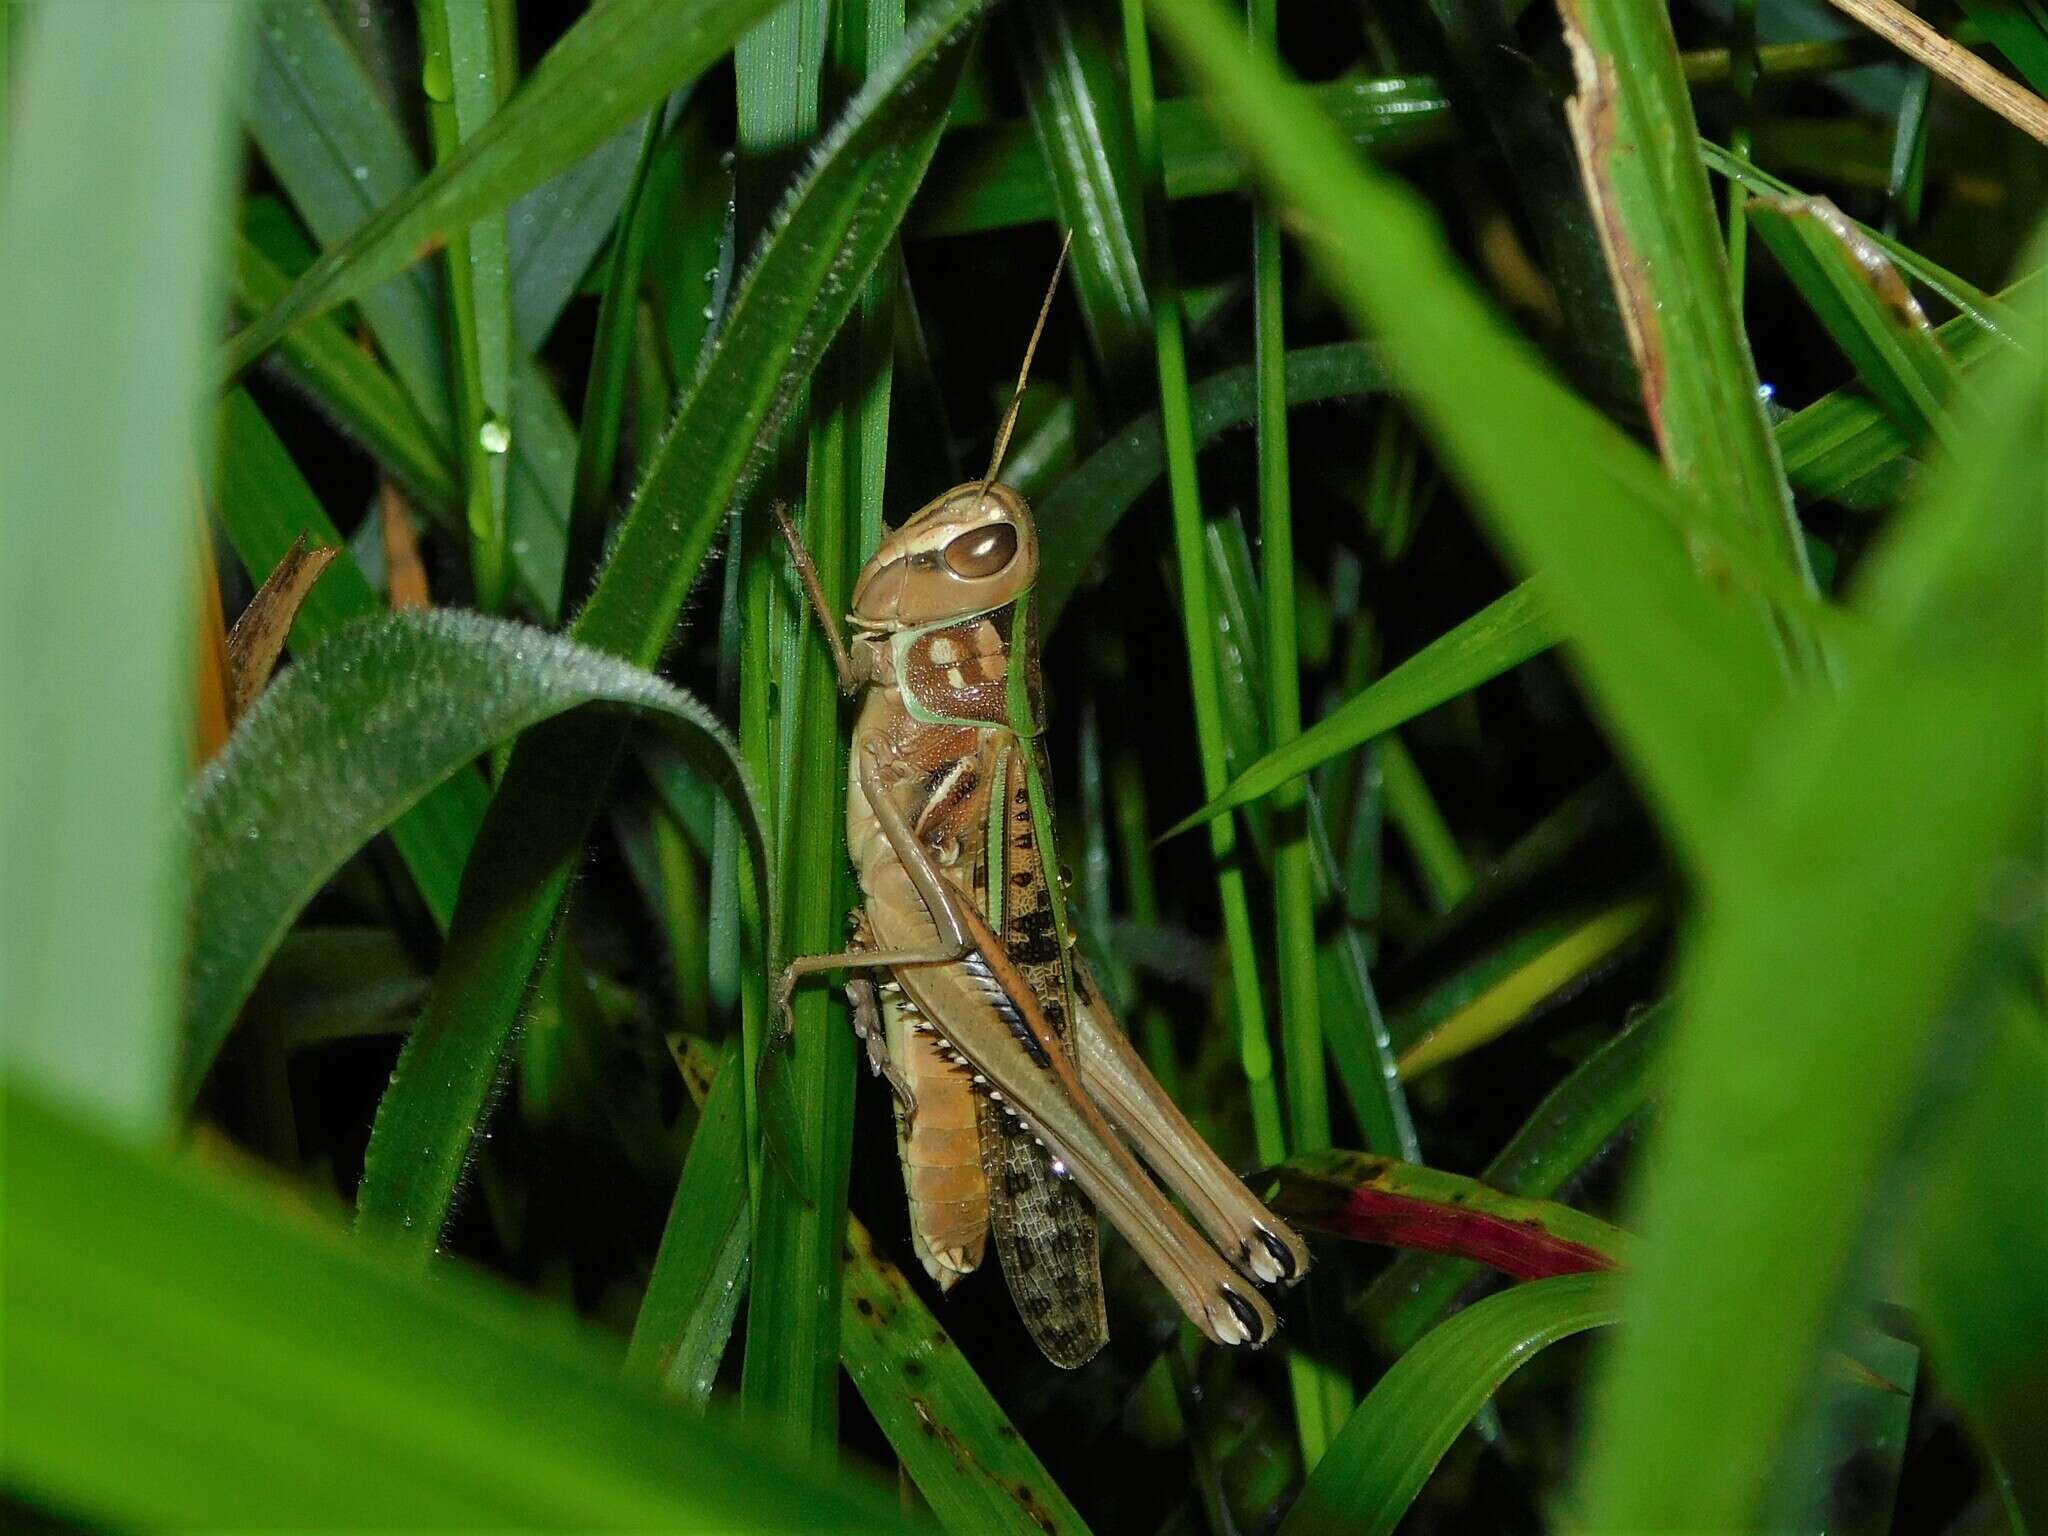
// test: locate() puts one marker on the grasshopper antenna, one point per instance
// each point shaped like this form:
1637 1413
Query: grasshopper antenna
995 460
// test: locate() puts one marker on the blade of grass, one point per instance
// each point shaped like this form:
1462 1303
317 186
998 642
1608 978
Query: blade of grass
995 175
1742 78
1082 120
1383 1200
1401 1431
604 395
794 1313
1953 62
2019 30
1983 1260
353 735
108 230
1683 672
557 229
829 235
1991 313
208 1329
1294 914
1498 638
333 141
335 144
1539 966
1850 892
1308 1097
1492 84
1845 437
611 66
264 504
1184 492
352 388
460 77
1077 516
1827 446
1564 1133
686 1316
952 1437
1857 295
1907 184
1431 843
1633 123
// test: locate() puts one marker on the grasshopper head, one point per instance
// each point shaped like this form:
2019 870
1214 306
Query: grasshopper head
972 549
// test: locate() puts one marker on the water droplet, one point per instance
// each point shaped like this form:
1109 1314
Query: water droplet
495 435
436 80
708 312
360 172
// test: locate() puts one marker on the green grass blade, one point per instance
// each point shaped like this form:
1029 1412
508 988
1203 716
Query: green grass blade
1494 85
211 1333
777 75
1576 1119
994 175
1066 58
604 395
1991 313
1844 437
336 146
794 1312
830 234
1439 862
264 504
109 230
1078 515
614 64
1400 1432
460 76
1669 267
1498 638
353 390
1684 673
1294 901
968 1461
557 229
1857 295
1847 897
1984 1255
1308 1095
334 143
1255 1049
686 1315
348 739
2019 30
1507 986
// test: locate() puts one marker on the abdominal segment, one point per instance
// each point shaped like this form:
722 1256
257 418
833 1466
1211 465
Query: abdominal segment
939 1144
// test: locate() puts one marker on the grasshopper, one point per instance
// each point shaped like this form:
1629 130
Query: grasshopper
1013 1084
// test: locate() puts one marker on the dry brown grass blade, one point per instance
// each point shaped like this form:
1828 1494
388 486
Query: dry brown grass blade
1953 62
405 574
259 634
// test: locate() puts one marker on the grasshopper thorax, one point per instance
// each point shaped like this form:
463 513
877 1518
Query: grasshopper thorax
969 551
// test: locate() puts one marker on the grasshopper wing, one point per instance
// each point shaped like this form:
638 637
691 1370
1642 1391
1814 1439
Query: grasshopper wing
1045 1230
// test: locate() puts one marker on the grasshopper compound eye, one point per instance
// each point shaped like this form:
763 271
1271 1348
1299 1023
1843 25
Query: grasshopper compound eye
982 552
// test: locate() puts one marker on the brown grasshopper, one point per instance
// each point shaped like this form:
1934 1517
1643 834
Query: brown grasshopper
1013 1083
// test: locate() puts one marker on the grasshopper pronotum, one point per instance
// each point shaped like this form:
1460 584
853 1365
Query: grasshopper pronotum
1013 1083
